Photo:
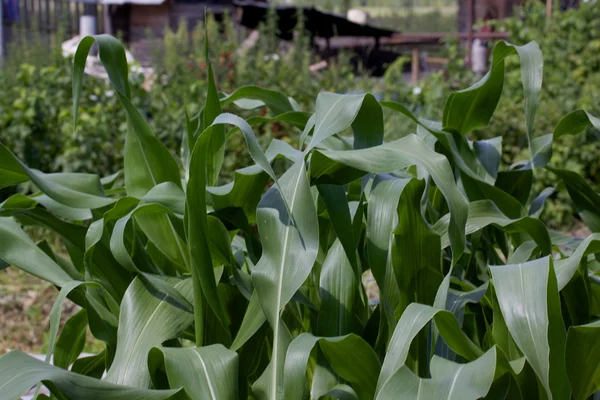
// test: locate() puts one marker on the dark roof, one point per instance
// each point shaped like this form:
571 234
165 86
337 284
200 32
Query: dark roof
318 22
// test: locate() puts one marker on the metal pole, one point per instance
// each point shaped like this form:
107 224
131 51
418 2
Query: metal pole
88 20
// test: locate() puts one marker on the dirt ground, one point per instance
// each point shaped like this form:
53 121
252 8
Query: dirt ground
25 303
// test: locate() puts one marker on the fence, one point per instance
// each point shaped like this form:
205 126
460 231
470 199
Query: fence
23 20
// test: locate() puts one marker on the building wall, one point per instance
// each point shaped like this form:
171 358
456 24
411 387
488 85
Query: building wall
144 18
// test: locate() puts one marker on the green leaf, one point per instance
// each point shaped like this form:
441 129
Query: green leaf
336 202
19 372
290 245
71 340
327 166
415 246
483 213
16 248
74 190
146 320
211 110
209 372
449 380
382 218
338 294
565 268
147 160
586 200
528 297
349 356
472 108
416 317
583 364
274 100
573 123
254 318
337 112
91 366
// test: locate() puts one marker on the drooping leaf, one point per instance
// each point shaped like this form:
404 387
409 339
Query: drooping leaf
449 380
349 356
345 166
528 297
204 373
583 363
19 372
290 245
71 340
146 320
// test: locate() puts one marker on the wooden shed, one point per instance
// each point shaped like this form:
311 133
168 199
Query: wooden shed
134 19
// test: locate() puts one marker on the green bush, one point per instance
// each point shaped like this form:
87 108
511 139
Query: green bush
570 42
478 298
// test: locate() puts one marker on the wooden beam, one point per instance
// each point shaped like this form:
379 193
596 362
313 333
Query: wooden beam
415 66
469 30
548 9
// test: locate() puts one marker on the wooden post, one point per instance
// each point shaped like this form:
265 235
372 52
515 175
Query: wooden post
548 9
469 30
415 67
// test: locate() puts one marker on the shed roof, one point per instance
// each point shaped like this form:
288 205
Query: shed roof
318 22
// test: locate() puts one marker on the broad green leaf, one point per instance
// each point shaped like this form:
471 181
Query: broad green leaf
410 150
565 268
71 340
349 356
472 108
161 226
290 245
19 372
573 123
336 202
169 195
55 316
449 380
337 112
382 219
416 317
146 320
586 200
298 119
368 125
338 290
249 182
147 160
274 100
91 366
254 318
415 246
209 372
483 213
528 297
74 190
583 362
16 248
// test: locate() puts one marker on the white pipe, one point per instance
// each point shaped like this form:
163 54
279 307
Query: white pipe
87 25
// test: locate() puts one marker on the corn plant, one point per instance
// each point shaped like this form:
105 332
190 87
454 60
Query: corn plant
253 289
